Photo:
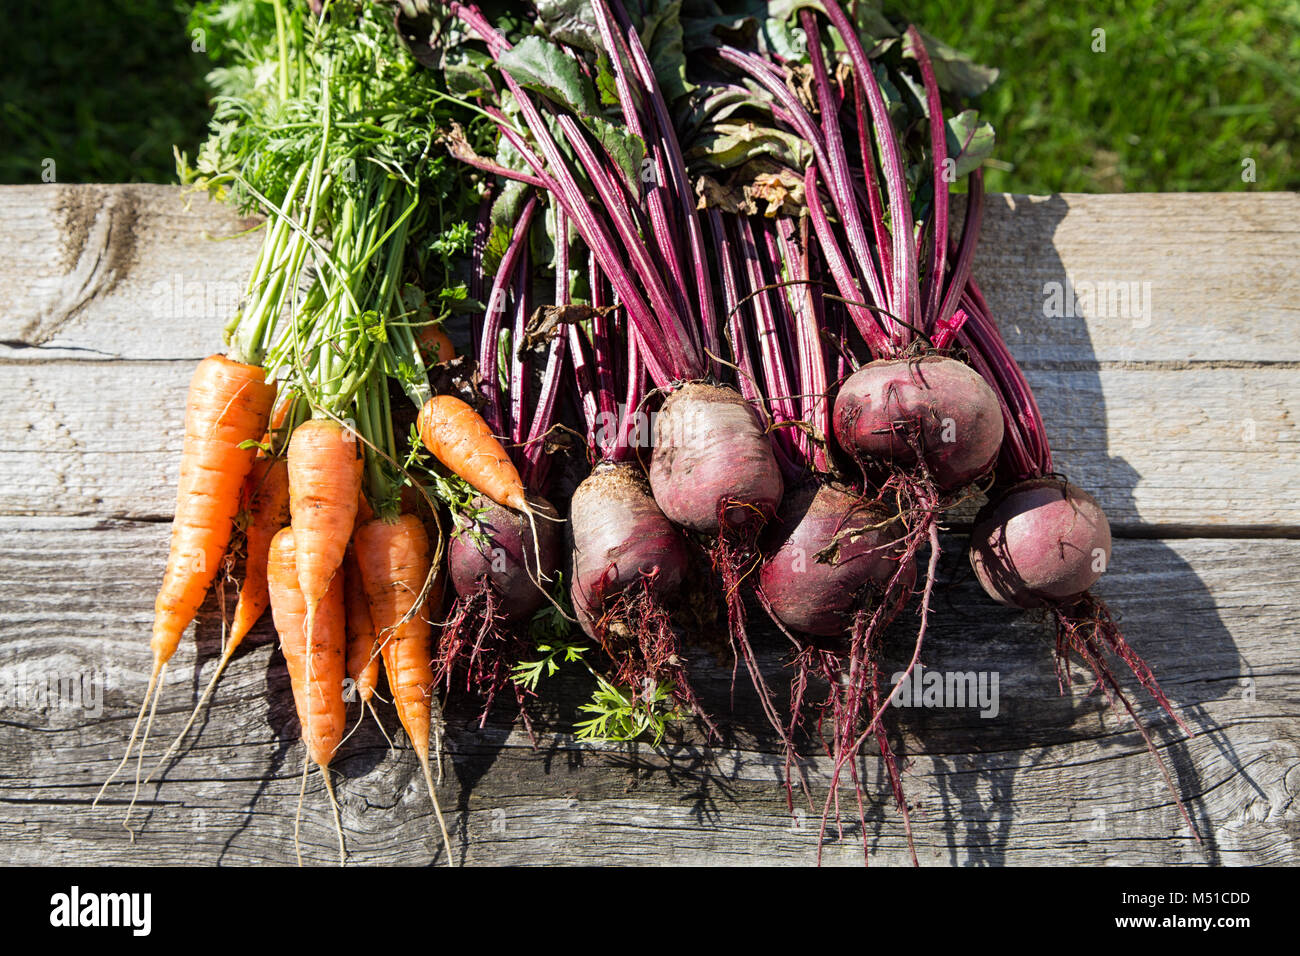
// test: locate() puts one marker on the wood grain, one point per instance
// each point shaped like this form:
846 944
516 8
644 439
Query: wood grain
1047 777
102 273
1163 450
1215 276
1223 286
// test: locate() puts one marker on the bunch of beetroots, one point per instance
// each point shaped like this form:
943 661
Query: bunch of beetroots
807 442
938 404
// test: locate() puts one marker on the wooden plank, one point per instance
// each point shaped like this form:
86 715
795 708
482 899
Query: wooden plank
133 272
1047 776
102 438
101 272
1194 449
92 437
1172 278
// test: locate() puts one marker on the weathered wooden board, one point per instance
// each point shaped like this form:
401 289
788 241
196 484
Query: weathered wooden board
1172 278
1181 419
101 438
118 272
149 272
1045 779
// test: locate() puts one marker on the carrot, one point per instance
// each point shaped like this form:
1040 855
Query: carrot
435 344
228 404
324 485
364 511
267 490
267 494
315 660
458 437
363 645
268 512
393 557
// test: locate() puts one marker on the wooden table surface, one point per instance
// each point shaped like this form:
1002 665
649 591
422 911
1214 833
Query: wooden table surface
1176 405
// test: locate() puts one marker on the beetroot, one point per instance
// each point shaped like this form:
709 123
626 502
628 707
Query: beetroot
620 538
1044 542
833 551
890 408
714 471
629 564
711 459
504 556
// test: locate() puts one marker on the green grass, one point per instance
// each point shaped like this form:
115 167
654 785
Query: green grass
1185 91
103 88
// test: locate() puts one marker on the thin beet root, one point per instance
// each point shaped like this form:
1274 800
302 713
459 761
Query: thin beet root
479 642
736 560
1087 628
900 411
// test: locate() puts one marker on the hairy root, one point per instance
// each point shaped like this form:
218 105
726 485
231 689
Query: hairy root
636 632
1088 629
479 644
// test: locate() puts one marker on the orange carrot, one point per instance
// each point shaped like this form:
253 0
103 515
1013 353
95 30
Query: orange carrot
363 644
268 512
267 491
267 497
364 511
324 485
393 557
458 437
228 404
315 661
435 344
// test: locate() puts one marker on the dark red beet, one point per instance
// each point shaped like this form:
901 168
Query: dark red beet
888 408
1044 542
832 549
714 471
629 562
507 558
711 453
620 538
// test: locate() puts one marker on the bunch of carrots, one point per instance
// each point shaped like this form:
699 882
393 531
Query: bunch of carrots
289 452
357 463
